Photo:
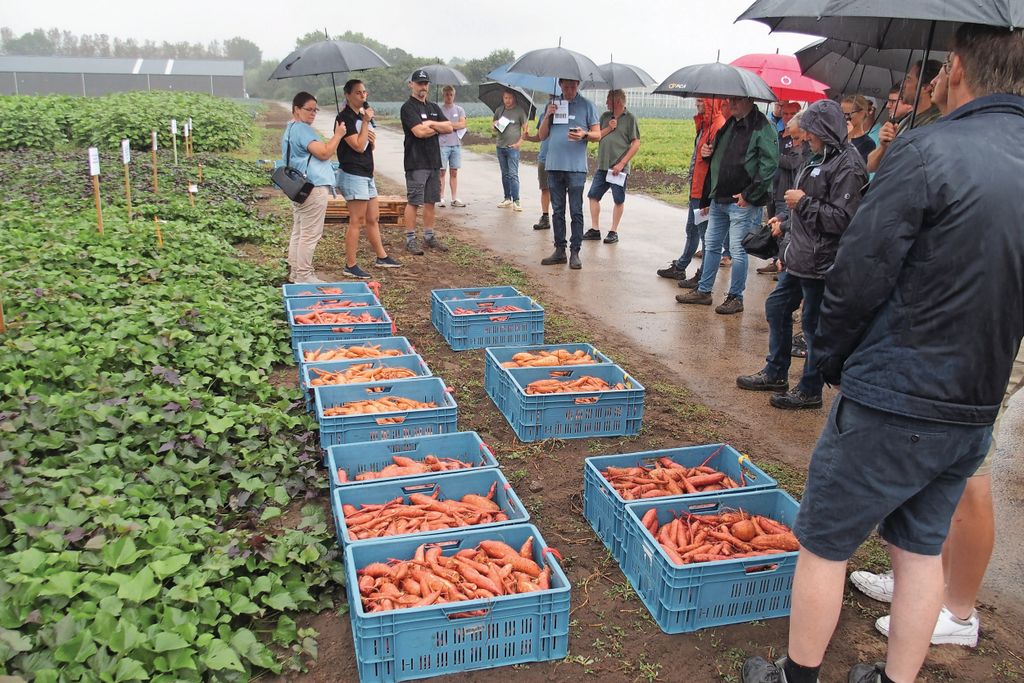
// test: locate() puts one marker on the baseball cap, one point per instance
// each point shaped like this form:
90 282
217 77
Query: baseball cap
419 76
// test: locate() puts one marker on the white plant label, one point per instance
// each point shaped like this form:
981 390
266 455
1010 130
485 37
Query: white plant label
193 188
94 161
126 152
154 141
186 130
190 125
174 126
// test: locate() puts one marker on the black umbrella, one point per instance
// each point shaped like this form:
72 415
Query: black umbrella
716 80
625 76
328 57
442 74
491 95
849 68
557 62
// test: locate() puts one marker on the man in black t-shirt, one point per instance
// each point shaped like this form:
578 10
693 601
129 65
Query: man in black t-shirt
422 122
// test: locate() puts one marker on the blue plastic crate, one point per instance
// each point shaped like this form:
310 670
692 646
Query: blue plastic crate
376 426
330 303
406 644
577 415
605 509
346 331
412 362
450 486
439 295
487 328
291 290
496 379
385 343
357 458
688 598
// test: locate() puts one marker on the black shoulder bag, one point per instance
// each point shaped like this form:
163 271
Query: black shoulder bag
292 182
761 243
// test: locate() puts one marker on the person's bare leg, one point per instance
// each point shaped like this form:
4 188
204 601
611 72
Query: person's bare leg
595 214
617 215
410 219
817 600
442 173
916 601
356 220
373 228
454 183
428 216
969 546
545 201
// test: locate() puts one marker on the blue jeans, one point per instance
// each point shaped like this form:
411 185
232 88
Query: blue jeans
694 236
508 160
563 184
778 308
727 220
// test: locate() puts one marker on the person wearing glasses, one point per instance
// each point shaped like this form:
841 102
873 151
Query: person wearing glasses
895 110
303 150
926 110
855 111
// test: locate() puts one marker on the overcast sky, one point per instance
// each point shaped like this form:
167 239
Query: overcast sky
658 35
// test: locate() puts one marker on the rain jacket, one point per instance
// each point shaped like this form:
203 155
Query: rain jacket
832 182
707 126
923 310
758 160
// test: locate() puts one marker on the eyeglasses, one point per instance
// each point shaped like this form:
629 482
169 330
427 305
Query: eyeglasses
311 111
849 116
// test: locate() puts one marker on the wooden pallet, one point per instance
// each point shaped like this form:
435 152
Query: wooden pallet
392 210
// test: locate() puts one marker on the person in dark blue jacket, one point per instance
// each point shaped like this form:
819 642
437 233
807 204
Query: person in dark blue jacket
921 338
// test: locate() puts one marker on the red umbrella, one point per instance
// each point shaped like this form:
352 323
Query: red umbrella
782 74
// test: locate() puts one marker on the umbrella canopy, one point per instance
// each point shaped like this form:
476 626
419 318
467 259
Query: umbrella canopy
782 74
327 57
848 68
625 76
716 80
491 95
442 74
884 24
546 84
557 62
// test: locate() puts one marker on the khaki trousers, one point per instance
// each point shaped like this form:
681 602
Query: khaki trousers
307 229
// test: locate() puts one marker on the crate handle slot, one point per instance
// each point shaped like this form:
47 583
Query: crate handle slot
417 488
378 390
487 303
481 613
561 373
498 318
587 400
702 508
753 569
472 292
391 420
341 329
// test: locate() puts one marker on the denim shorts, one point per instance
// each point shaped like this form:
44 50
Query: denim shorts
423 186
600 185
875 468
451 156
355 187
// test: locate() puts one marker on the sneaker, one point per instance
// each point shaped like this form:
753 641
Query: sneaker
760 381
612 237
433 243
458 203
794 399
725 262
760 670
387 262
690 283
948 629
504 203
699 254
443 203
356 272
543 224
799 349
574 260
412 245
732 304
592 234
557 256
695 297
672 273
772 267
866 673
875 586
516 206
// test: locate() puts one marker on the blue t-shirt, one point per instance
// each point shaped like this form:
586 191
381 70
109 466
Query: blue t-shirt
542 155
300 135
564 154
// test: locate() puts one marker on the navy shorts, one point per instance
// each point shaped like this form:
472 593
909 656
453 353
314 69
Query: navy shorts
874 468
599 185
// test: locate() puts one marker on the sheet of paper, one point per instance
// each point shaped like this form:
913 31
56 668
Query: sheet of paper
461 132
700 217
502 123
562 113
613 179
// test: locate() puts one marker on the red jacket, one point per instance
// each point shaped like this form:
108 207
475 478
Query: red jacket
706 126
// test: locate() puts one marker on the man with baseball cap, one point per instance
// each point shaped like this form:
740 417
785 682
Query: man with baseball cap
422 122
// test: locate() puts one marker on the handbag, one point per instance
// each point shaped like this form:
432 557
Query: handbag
761 243
291 181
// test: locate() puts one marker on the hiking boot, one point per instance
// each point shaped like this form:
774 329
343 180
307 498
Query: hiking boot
772 267
442 203
875 586
672 273
794 399
732 304
948 629
574 260
543 224
799 349
516 206
690 283
695 296
612 237
866 673
412 245
387 262
433 243
760 381
458 203
592 234
557 256
356 272
504 203
760 670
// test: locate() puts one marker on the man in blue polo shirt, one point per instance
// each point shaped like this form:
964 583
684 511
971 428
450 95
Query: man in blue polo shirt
568 125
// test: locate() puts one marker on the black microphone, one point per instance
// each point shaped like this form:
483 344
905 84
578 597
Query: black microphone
373 120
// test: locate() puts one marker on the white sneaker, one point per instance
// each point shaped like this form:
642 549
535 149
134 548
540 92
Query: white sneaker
444 203
875 586
516 206
948 629
458 203
504 203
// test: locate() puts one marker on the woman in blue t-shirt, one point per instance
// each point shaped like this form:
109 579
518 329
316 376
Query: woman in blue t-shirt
303 150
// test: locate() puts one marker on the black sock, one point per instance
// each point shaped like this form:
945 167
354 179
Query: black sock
544 214
886 679
800 674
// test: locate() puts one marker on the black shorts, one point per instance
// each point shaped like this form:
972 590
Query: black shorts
423 186
874 468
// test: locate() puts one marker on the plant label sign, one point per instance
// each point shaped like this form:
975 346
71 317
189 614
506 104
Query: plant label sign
154 141
190 124
94 161
193 188
126 152
174 126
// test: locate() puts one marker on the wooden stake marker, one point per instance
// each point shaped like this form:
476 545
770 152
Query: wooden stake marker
3 322
126 157
159 235
94 173
154 161
192 189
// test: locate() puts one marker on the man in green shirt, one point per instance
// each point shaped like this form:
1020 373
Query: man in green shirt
620 140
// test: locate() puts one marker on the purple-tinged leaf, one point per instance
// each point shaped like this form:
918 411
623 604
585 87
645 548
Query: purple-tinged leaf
172 407
169 446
